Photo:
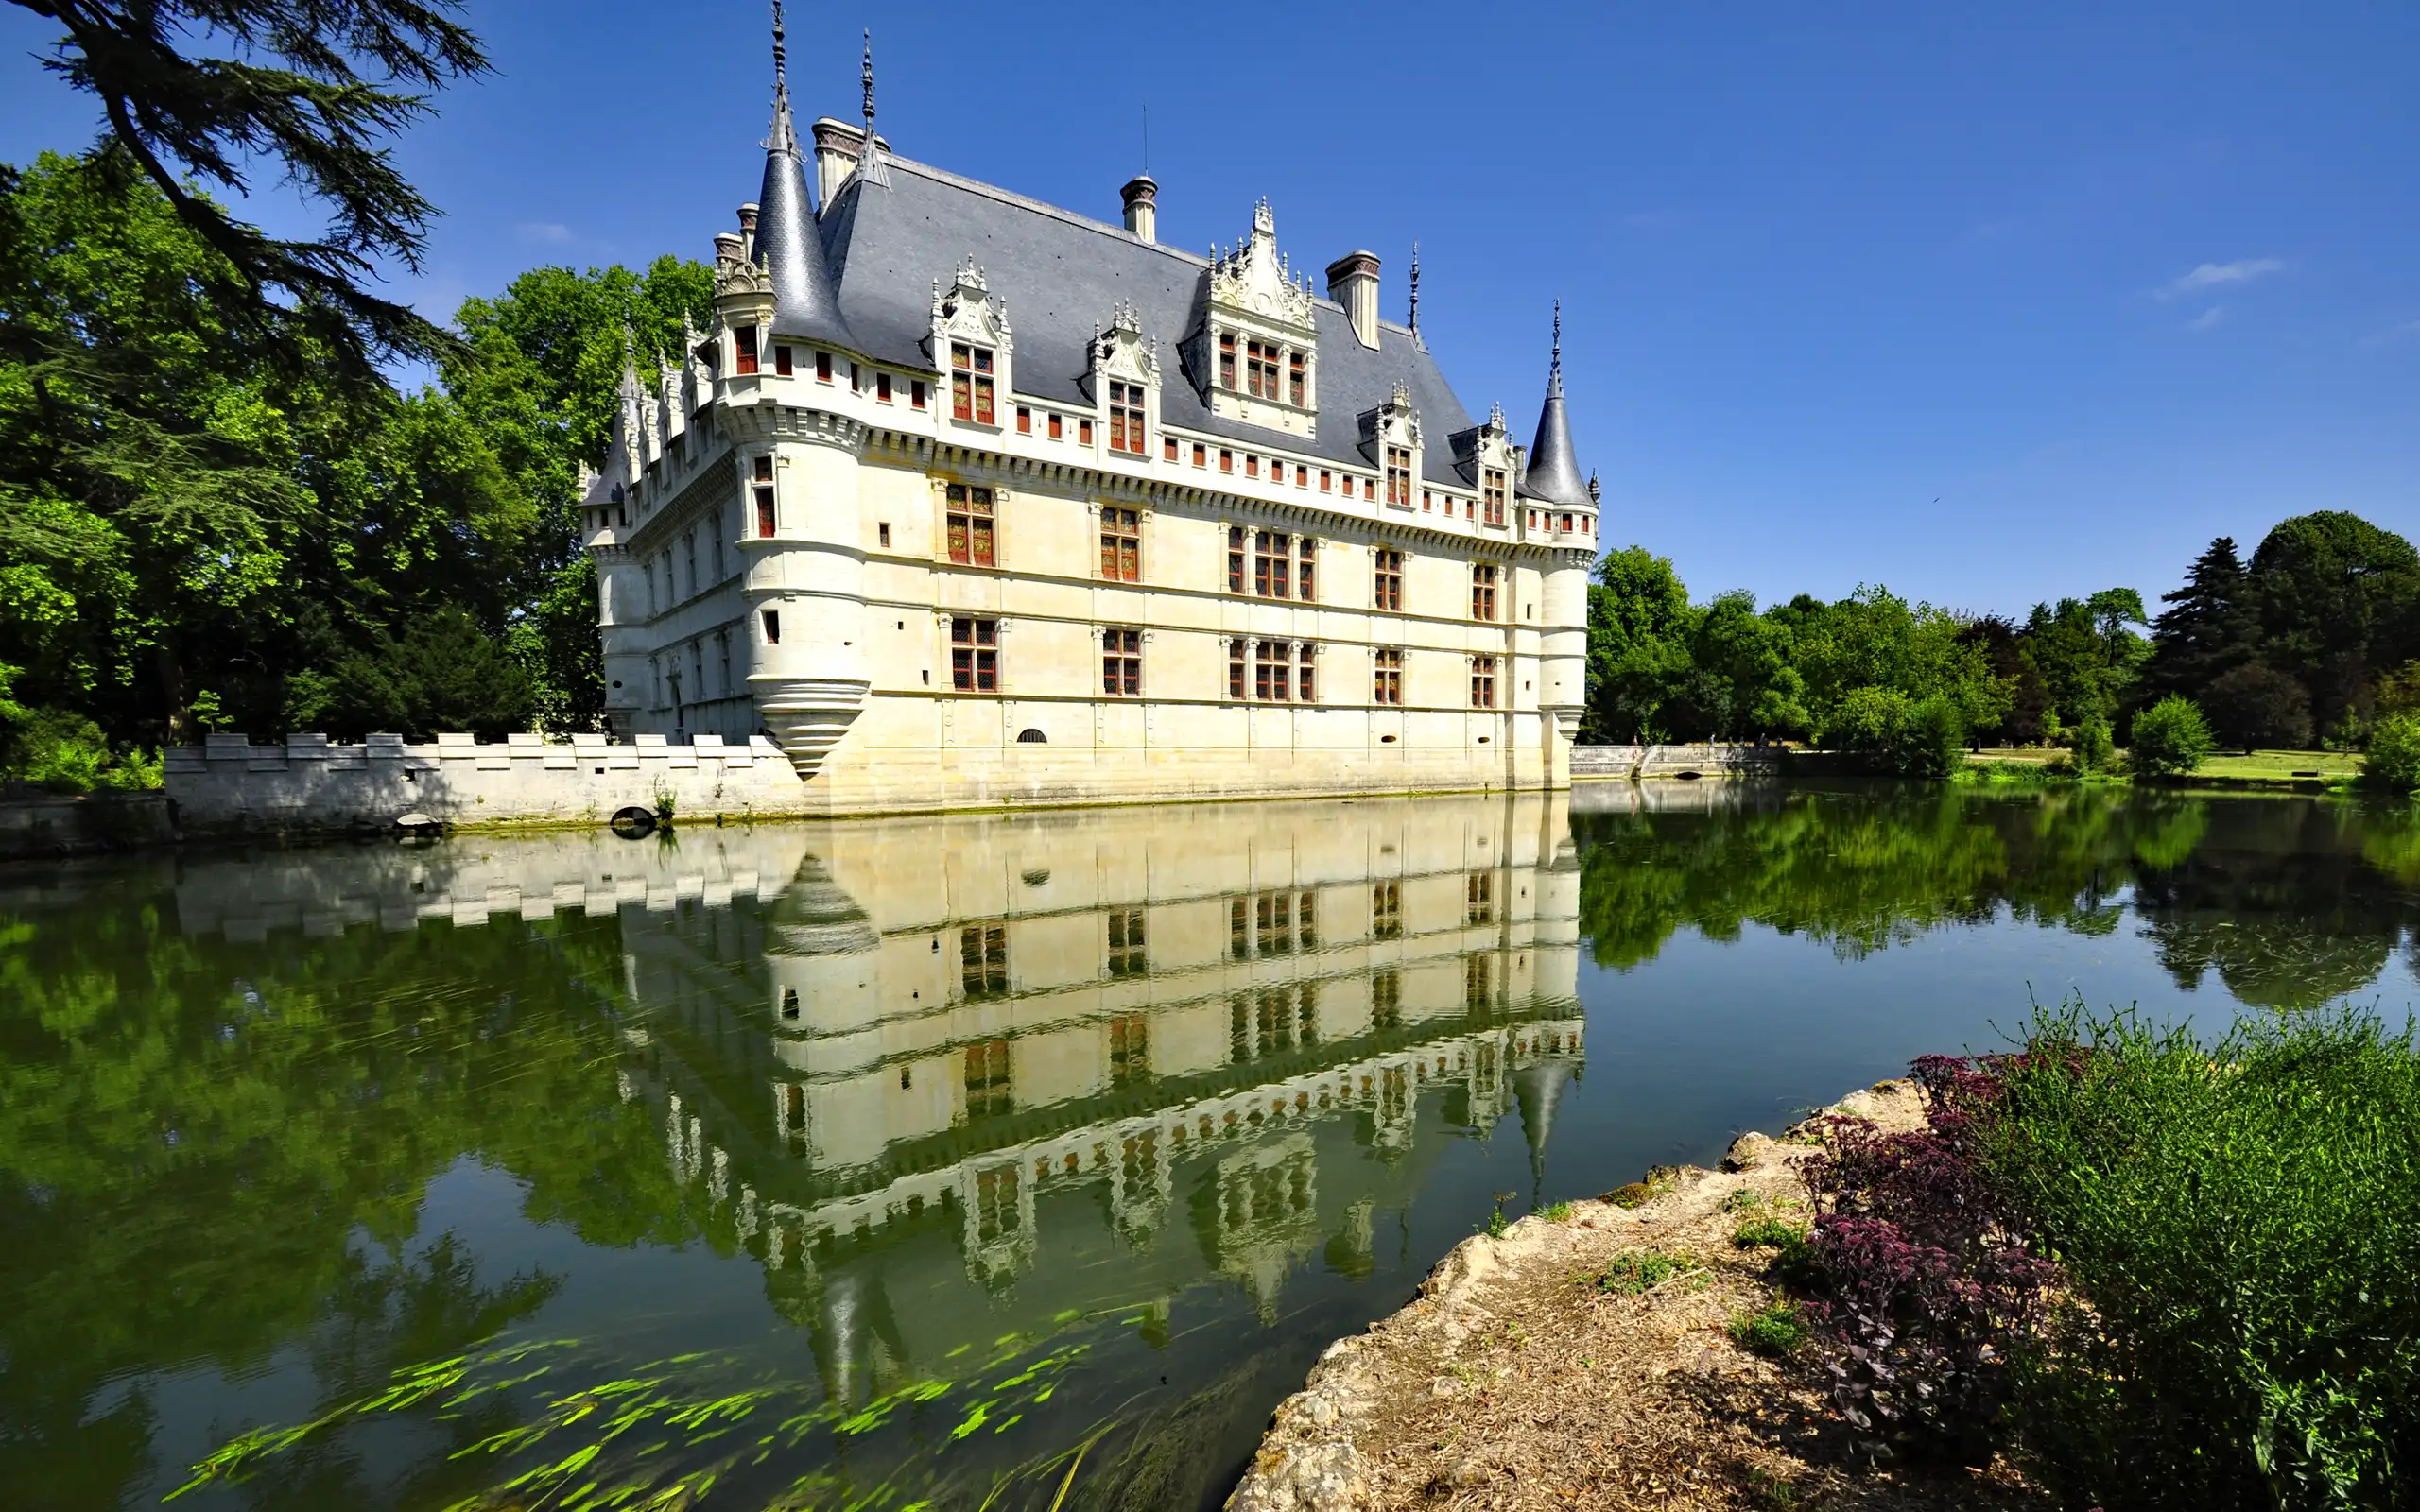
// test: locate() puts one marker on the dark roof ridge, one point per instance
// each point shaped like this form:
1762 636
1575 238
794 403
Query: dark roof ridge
1010 197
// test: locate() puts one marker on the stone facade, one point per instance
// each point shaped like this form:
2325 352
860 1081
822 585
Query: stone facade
1178 526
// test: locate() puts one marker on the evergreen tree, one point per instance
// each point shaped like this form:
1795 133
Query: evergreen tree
2210 628
2339 602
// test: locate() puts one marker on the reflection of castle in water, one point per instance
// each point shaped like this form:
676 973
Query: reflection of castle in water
1053 1037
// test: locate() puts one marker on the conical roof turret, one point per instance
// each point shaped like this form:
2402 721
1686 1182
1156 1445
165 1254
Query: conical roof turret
1553 476
788 245
1538 1088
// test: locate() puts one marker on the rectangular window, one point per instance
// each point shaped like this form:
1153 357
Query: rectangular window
882 388
1124 959
1369 489
1294 379
1121 545
823 366
974 655
763 473
971 539
1302 476
856 380
746 337
1399 475
1386 681
987 1093
1235 558
1260 368
1271 566
772 618
1492 493
1130 1034
1306 683
1227 361
882 533
1482 682
1084 432
916 393
1426 504
1272 672
1566 522
1235 672
1226 460
1323 481
1479 895
1305 560
1386 989
1168 448
1126 419
1025 420
1273 914
1385 590
1252 466
781 361
984 970
1200 455
1056 428
1483 591
969 383
1121 664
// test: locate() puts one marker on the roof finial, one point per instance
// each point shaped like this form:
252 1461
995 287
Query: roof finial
785 134
869 167
1554 374
1415 288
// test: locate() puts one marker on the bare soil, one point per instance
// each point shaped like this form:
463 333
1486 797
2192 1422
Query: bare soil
1517 1380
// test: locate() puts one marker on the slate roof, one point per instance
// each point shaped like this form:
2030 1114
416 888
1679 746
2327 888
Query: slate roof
1061 275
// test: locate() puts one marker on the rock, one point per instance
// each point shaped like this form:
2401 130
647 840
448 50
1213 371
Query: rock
1629 1195
415 820
1748 1151
1479 1467
1301 1478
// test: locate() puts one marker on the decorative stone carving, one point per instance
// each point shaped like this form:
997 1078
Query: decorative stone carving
1259 279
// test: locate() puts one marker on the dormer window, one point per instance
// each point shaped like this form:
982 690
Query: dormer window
747 338
1399 475
969 383
1126 419
1260 368
1294 379
1227 361
1490 488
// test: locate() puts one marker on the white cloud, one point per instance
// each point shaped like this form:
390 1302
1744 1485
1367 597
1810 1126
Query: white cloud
2213 275
2207 318
551 232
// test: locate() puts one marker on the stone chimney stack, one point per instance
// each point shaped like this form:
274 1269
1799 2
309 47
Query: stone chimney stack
1142 210
837 145
1353 281
748 232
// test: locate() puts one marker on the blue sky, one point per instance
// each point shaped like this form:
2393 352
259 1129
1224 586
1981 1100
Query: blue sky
2105 280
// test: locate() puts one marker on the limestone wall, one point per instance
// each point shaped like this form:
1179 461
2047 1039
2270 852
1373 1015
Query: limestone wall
1640 761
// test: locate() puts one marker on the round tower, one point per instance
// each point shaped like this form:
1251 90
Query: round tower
1559 510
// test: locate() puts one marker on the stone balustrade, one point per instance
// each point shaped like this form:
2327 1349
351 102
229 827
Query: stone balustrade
1637 762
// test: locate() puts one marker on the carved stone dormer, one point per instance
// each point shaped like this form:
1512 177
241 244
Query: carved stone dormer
1123 365
1485 458
1255 355
972 343
743 310
1391 439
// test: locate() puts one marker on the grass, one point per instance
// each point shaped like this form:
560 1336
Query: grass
1776 1332
1759 1232
1556 1212
2333 764
1639 1271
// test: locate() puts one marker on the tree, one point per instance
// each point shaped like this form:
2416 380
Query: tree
1741 684
2392 762
313 86
2338 598
2170 738
2211 625
2253 705
1639 629
444 673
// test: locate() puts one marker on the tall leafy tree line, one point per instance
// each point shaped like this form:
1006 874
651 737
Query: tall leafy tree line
2313 639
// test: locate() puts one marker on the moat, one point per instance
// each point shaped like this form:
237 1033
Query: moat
920 1163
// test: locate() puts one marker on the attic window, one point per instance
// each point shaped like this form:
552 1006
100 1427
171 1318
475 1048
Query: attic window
1227 361
781 361
746 337
1324 480
823 366
969 383
1294 382
1200 455
882 386
1168 448
1025 420
1491 490
1399 475
916 393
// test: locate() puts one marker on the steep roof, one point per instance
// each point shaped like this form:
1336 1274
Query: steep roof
788 243
1553 475
1060 276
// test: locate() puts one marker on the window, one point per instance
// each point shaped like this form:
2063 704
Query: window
764 487
1324 478
1567 520
987 1068
1386 910
1305 686
689 556
823 366
1305 554
856 380
1386 996
1084 432
1235 558
1427 502
1302 476
1055 427
722 654
1025 420
1484 591
1294 379
1121 545
772 618
1272 550
1121 664
882 533
1227 361
1386 584
1130 1034
746 337
1168 448
1226 460
882 388
1235 674
713 540
969 383
1369 489
1491 490
916 393
1252 466
1126 419
1482 682
971 539
1479 894
1200 455
1399 475
1272 672
1124 959
974 655
1260 368
1386 681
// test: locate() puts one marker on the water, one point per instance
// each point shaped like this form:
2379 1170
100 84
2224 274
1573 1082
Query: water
898 1162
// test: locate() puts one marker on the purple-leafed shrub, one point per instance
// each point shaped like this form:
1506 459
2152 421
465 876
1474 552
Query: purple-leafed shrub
1921 1274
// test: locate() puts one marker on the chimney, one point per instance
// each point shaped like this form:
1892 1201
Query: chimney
1142 210
1353 281
748 232
837 145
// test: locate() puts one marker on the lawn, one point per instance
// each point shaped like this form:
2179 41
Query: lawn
2329 764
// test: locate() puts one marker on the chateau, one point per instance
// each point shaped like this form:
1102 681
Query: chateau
965 498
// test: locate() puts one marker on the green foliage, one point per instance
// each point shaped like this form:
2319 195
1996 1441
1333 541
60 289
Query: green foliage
2170 738
1637 1271
2236 1225
444 673
1556 1212
1776 1331
1759 1232
2252 706
2338 596
2391 764
2092 745
1901 735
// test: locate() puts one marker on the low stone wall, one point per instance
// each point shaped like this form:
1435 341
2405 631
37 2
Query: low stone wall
32 828
1639 763
231 785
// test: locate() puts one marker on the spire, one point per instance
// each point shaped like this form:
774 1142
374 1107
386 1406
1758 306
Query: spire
1538 1088
1553 476
1414 323
869 167
785 137
788 245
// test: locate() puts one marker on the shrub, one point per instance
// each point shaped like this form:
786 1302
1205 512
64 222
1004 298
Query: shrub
1777 1331
2253 706
2392 763
2170 738
1898 734
67 753
2092 746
